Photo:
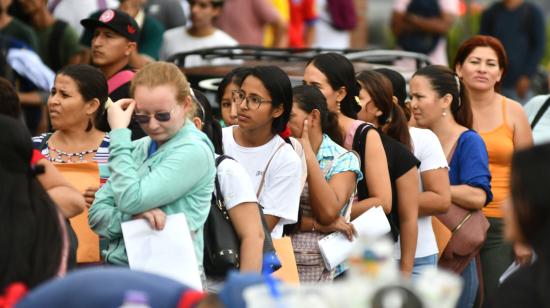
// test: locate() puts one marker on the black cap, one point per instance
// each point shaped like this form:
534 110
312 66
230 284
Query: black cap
116 20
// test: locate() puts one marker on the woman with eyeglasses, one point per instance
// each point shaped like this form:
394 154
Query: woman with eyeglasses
168 172
224 95
238 195
264 103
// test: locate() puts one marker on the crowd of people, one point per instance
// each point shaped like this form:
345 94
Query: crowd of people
438 153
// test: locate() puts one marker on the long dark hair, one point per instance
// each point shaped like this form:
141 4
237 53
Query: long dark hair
30 231
309 98
276 81
339 72
234 76
399 86
210 126
91 84
392 121
444 81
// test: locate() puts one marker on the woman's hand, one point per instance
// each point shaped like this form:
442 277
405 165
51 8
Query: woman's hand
340 225
304 139
155 217
523 253
89 195
120 113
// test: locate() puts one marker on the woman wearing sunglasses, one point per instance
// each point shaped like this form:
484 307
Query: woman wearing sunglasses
170 171
263 103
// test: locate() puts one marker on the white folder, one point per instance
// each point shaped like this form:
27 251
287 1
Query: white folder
336 248
169 252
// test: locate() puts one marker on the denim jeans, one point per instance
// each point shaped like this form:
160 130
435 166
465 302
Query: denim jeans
471 284
423 263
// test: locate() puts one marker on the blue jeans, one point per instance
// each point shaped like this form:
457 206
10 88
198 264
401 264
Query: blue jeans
423 263
471 284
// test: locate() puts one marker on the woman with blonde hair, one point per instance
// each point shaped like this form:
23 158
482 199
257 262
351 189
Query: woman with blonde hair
170 171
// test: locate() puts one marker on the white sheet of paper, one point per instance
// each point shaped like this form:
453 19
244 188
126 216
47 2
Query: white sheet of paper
336 248
168 253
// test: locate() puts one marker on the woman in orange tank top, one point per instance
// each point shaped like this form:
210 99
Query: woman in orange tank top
501 122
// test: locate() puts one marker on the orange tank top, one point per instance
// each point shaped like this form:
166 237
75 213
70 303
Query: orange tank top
500 147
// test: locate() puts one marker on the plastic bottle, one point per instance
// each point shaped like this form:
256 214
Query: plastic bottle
135 299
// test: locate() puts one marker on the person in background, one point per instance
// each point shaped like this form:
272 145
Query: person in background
440 103
224 95
149 34
244 20
31 232
480 63
333 173
521 28
13 27
435 195
527 220
201 34
264 103
168 12
434 18
115 36
146 179
237 192
378 107
73 11
541 128
301 30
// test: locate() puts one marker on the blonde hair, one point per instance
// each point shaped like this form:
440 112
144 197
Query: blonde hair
162 73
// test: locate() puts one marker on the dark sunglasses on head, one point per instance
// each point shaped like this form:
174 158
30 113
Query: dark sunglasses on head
159 116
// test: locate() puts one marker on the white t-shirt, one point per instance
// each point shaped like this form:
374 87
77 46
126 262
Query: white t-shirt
428 150
280 195
235 185
73 11
541 133
439 54
178 40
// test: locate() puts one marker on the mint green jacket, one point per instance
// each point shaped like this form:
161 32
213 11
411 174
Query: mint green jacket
177 178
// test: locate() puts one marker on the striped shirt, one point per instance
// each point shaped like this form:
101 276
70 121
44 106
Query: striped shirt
101 156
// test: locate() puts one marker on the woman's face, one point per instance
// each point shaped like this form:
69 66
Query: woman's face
255 111
481 70
67 107
426 105
160 100
296 122
369 112
228 109
314 77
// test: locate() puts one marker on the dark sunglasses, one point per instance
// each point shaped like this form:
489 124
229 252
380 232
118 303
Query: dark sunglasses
159 116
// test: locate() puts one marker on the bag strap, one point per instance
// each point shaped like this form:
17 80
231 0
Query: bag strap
55 41
219 195
265 170
540 113
359 143
119 79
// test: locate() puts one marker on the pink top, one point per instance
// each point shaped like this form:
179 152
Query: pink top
348 141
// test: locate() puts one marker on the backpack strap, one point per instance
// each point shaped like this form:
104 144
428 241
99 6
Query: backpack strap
359 143
55 44
119 79
540 113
